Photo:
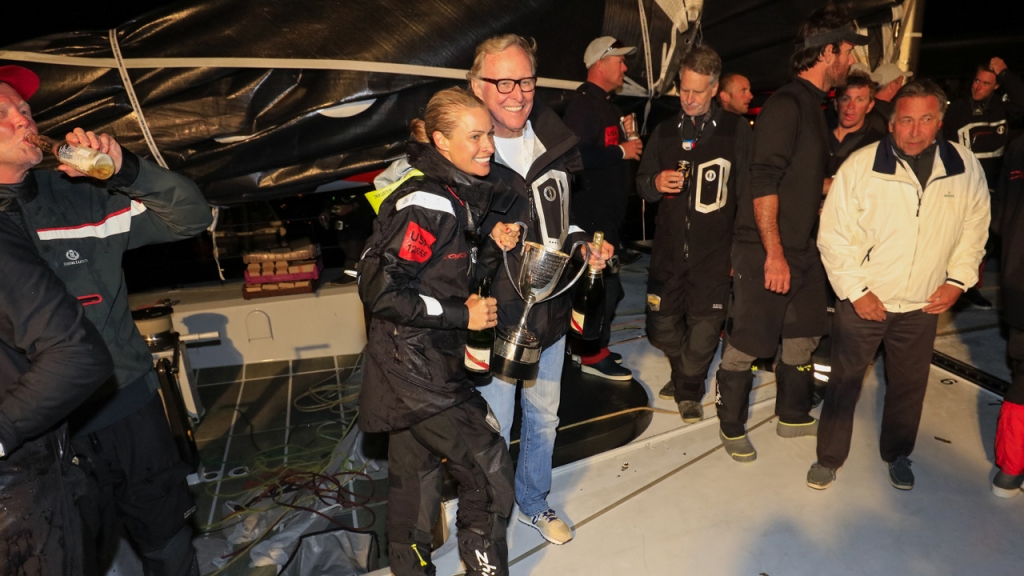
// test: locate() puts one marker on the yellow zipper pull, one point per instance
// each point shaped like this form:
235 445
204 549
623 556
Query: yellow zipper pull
422 561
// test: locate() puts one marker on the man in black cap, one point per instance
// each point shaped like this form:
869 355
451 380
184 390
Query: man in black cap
599 198
779 283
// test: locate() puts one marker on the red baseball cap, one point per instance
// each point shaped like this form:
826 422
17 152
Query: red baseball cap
24 81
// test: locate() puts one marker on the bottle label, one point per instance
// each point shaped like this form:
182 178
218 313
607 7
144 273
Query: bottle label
577 322
66 153
478 359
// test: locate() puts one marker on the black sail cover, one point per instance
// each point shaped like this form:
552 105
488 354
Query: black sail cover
258 99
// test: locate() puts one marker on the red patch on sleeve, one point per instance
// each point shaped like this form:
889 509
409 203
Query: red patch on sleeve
611 136
416 244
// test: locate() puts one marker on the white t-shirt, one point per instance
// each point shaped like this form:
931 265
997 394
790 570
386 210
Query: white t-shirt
520 152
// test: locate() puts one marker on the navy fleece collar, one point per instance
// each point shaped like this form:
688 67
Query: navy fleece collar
886 159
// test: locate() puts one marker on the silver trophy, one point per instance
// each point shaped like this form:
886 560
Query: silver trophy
516 349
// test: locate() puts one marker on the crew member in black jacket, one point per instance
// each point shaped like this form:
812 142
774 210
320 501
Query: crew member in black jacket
417 277
779 282
535 155
1008 213
81 227
690 272
51 359
602 188
981 121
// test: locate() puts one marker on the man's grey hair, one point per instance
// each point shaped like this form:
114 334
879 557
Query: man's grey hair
702 60
499 44
920 89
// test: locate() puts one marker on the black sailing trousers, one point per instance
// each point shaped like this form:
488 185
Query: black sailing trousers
478 460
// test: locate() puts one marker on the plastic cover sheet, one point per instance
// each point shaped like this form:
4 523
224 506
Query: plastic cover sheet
253 132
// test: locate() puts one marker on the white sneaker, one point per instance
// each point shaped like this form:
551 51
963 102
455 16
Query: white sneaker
550 526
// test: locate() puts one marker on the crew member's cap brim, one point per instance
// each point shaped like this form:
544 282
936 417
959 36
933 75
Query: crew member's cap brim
24 81
838 35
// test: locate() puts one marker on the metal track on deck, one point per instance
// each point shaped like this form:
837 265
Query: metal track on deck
970 373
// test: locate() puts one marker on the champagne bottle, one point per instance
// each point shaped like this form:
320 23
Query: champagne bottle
85 160
588 300
479 343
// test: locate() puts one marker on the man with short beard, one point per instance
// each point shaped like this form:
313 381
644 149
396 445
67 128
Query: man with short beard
779 284
534 154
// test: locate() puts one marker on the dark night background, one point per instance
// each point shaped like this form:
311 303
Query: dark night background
956 34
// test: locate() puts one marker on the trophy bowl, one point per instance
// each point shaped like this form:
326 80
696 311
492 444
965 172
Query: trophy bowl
516 348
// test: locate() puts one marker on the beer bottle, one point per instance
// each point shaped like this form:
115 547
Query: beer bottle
588 300
480 342
85 160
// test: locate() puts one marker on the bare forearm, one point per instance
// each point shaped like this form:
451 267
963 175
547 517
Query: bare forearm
766 215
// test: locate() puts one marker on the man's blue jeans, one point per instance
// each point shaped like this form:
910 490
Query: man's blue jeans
540 423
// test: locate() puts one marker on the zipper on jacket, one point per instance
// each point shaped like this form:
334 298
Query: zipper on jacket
686 219
867 257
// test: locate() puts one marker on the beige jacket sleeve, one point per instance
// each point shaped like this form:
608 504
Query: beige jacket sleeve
841 240
962 270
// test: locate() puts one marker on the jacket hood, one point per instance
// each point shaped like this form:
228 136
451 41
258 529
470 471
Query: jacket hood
483 194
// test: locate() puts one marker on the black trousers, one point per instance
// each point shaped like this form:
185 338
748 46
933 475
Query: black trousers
908 338
689 342
478 460
138 478
40 528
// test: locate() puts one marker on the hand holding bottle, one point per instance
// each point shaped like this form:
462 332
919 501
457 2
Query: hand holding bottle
103 143
483 312
599 254
84 154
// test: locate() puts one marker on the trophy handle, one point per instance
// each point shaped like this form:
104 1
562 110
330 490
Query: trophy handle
578 274
522 236
504 256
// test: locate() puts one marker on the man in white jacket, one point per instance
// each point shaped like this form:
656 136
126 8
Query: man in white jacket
902 233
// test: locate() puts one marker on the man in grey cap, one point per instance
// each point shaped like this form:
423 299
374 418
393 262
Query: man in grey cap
599 199
889 78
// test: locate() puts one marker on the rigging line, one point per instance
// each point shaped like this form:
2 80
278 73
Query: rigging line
637 409
635 493
136 107
285 63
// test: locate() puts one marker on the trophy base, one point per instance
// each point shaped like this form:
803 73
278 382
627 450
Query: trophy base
515 370
516 355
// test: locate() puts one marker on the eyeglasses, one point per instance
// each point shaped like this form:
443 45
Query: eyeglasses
507 85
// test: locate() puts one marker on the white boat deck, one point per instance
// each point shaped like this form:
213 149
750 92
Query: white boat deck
673 502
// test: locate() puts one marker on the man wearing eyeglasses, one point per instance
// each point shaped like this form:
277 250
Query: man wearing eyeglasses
599 199
535 154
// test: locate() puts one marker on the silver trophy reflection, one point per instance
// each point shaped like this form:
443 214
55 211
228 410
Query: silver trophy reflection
516 349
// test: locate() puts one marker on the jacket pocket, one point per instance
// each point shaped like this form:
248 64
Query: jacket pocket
418 361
